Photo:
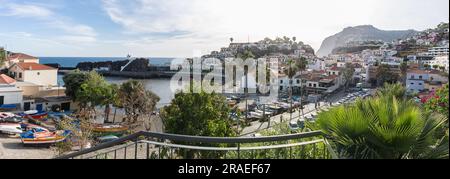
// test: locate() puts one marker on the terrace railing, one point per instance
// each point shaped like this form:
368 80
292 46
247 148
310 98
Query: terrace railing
149 145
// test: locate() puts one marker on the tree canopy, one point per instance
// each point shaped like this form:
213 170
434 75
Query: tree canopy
198 114
73 82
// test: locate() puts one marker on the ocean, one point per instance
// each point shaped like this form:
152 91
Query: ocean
73 61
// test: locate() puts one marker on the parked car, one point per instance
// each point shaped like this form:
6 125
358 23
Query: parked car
294 127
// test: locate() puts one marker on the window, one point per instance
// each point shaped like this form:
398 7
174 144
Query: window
412 76
310 85
420 77
420 83
38 73
20 75
298 81
412 83
315 85
281 81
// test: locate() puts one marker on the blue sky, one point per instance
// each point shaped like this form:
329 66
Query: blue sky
184 28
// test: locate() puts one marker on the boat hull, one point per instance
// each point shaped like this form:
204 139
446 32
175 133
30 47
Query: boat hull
44 137
11 128
106 129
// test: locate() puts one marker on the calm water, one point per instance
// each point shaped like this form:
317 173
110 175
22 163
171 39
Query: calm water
161 87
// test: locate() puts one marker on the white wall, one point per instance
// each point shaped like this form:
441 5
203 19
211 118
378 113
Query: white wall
42 77
14 97
415 85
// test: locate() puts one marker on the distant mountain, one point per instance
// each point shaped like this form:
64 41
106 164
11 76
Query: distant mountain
361 33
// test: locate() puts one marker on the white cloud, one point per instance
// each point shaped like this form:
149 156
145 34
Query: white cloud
77 39
26 10
71 28
72 31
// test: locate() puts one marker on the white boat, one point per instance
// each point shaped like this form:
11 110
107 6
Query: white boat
255 115
6 115
30 112
11 128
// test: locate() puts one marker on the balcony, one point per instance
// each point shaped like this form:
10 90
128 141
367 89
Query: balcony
149 145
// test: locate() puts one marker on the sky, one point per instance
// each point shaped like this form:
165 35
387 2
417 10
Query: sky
187 28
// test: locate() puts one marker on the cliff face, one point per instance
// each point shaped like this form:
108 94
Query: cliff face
360 33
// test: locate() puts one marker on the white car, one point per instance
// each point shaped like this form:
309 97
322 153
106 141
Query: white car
256 135
293 126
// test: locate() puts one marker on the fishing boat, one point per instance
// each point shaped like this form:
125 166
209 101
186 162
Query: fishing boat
39 136
34 114
110 128
11 128
10 118
39 116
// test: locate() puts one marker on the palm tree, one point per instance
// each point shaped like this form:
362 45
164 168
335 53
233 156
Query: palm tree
231 39
396 90
301 66
384 128
291 71
348 73
404 70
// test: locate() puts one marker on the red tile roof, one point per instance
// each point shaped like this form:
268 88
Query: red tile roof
34 66
4 79
20 56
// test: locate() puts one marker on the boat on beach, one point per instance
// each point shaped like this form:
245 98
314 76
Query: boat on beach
10 118
39 136
33 114
110 128
11 128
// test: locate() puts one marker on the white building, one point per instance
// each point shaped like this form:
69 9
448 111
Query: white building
441 61
317 64
421 80
9 93
437 51
284 83
35 73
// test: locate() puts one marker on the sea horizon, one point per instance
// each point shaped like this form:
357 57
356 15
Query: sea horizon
72 62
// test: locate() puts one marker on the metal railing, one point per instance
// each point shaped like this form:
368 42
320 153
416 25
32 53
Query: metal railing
149 145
